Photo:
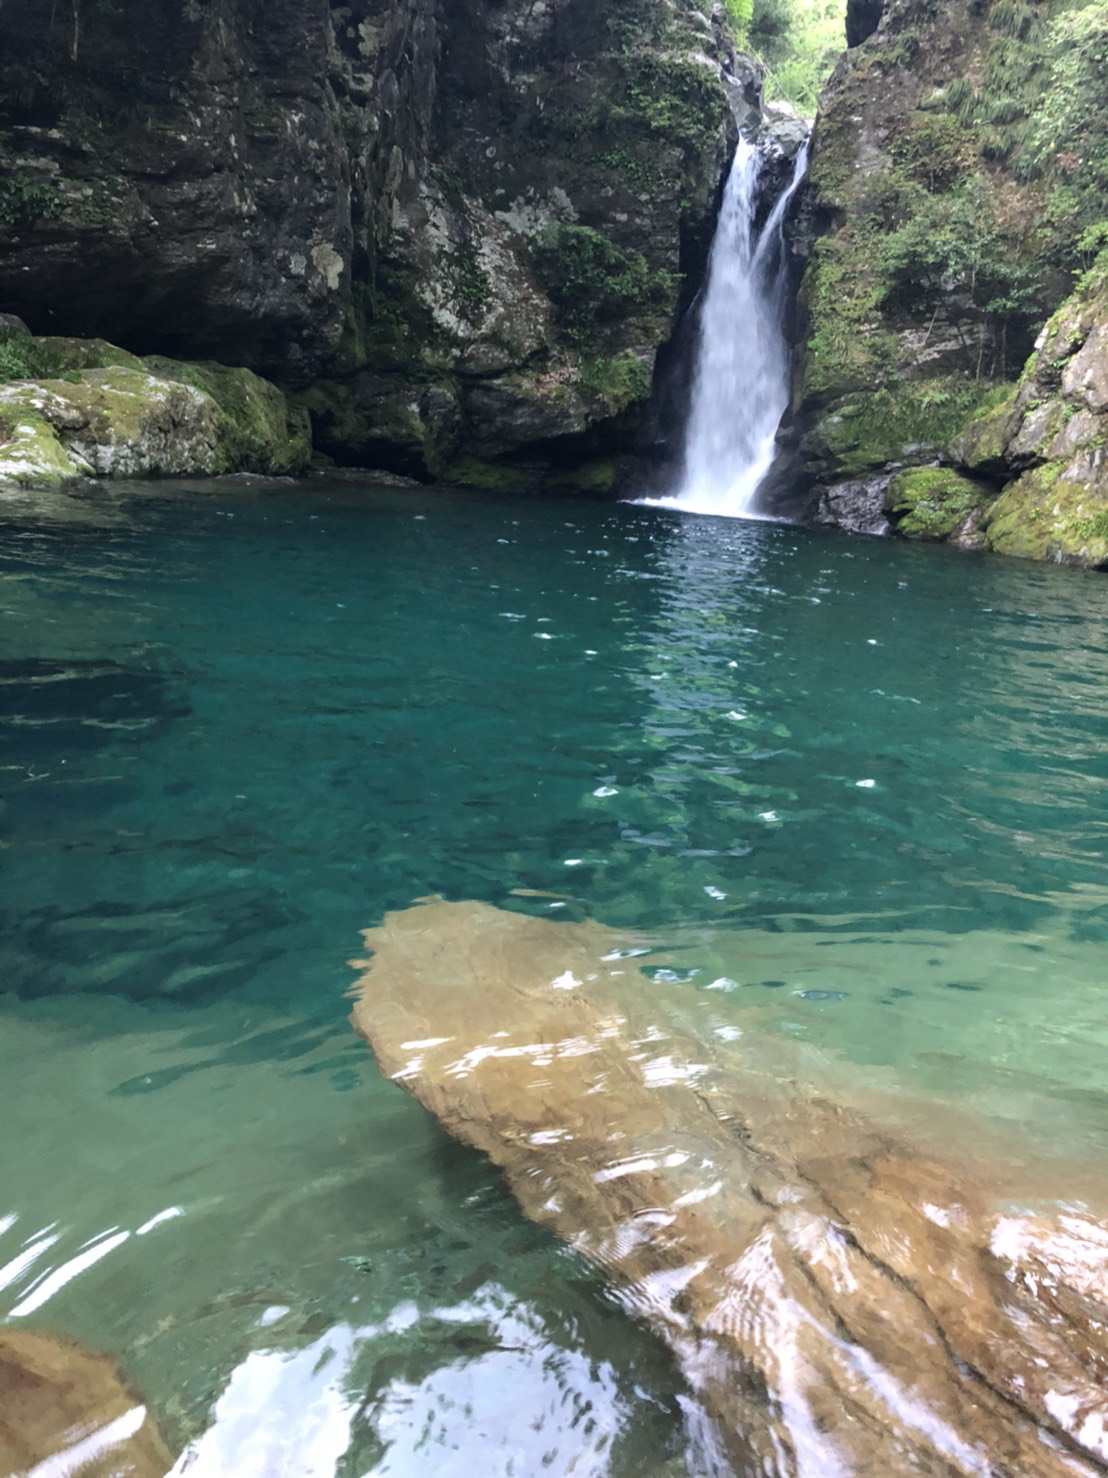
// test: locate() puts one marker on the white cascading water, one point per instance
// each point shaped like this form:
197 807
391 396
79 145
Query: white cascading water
741 384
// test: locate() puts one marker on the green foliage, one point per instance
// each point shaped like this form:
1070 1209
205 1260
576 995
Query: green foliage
844 349
1091 243
676 97
595 284
961 98
472 284
23 357
1067 141
634 21
953 243
739 13
621 380
1015 18
933 150
25 199
800 41
873 428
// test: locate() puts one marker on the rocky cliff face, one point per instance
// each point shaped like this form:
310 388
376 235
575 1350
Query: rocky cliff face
1046 446
461 231
952 199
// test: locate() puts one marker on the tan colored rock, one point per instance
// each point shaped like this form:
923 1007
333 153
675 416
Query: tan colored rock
66 1412
841 1302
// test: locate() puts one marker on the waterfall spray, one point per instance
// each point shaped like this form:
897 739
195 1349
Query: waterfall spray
741 384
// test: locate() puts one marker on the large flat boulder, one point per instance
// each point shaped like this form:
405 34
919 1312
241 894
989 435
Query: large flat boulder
841 1301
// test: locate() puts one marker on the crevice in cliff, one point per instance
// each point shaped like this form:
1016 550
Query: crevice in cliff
862 19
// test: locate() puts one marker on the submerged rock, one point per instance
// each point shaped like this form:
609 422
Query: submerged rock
839 1301
65 1410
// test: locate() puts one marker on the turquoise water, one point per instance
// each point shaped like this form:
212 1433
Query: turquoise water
856 790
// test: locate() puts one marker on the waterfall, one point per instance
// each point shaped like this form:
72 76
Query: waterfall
741 384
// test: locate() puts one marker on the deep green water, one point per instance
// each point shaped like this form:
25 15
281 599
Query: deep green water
858 789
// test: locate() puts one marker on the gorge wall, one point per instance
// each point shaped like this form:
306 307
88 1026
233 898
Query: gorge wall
458 233
959 186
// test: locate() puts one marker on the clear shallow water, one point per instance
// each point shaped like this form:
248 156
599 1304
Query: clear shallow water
857 790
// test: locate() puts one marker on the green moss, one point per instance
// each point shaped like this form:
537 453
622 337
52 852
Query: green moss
871 429
620 381
26 357
362 424
352 353
491 477
32 454
397 333
846 347
595 285
590 477
260 431
933 502
1046 515
133 417
982 442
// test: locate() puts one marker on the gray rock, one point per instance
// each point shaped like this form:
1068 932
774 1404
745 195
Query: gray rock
367 189
857 506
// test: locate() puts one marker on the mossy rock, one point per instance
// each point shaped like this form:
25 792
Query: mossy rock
366 420
259 430
24 356
1049 513
935 504
490 477
124 421
128 423
909 422
621 381
32 454
594 478
982 445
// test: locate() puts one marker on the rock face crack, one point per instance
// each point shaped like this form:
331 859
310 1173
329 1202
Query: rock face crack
839 1300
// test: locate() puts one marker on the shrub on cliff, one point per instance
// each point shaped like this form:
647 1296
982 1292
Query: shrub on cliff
1067 138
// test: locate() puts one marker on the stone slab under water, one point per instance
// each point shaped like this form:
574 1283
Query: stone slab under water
841 1300
65 1411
